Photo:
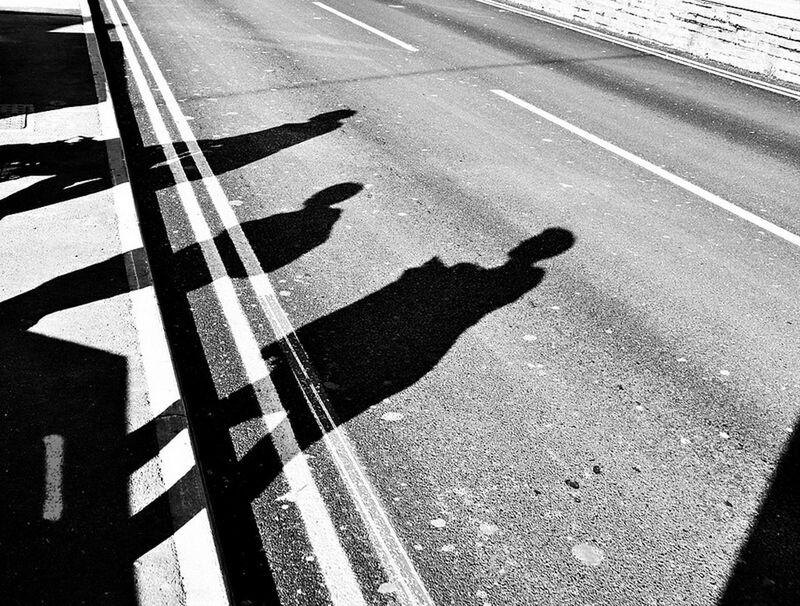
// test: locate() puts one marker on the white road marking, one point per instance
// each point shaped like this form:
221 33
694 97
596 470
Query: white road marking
369 28
192 546
334 563
53 506
723 73
656 170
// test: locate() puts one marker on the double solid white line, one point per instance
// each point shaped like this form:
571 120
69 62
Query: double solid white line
340 580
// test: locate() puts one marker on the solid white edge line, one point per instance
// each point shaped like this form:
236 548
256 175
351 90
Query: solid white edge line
369 28
717 71
343 587
656 170
389 546
193 546
334 564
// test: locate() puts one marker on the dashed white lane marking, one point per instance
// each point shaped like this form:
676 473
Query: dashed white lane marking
656 170
192 547
723 73
53 506
369 28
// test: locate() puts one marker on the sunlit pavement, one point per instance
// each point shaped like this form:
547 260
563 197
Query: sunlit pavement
466 308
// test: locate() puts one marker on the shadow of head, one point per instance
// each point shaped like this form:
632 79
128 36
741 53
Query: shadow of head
550 243
333 195
334 116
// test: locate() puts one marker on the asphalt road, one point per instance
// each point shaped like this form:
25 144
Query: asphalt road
554 376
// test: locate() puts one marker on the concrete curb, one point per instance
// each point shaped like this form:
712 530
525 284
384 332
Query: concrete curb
193 547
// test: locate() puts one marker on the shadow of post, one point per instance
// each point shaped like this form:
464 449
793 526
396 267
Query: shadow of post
387 341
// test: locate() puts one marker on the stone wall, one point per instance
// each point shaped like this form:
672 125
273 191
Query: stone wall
760 36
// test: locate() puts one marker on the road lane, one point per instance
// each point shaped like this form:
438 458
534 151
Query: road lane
773 229
662 330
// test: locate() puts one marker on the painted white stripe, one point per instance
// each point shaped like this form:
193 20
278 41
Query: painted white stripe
76 28
369 28
333 561
239 327
162 386
723 73
656 170
186 194
395 559
53 506
334 564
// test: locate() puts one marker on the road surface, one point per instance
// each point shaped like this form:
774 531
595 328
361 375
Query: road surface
469 308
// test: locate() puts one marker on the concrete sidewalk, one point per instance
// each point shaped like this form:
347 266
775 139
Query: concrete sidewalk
102 497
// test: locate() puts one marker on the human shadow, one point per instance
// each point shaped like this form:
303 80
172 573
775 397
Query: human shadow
766 570
282 238
229 153
79 167
387 341
225 154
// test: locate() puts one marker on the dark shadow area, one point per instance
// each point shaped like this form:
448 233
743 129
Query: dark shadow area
283 238
230 153
387 341
79 167
73 541
96 282
69 543
41 66
50 387
767 572
365 352
78 394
